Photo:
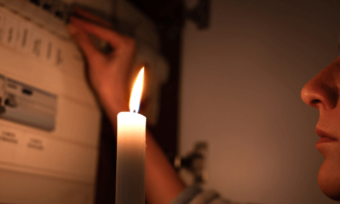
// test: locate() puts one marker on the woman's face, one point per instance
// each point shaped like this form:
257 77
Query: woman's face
322 92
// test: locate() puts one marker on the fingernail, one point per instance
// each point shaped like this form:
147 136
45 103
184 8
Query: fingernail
72 29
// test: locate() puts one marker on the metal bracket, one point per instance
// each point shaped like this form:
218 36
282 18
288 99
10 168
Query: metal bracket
200 14
192 168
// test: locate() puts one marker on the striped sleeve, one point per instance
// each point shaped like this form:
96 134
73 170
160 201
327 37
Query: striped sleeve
187 195
195 195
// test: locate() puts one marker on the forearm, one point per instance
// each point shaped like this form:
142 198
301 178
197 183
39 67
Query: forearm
162 182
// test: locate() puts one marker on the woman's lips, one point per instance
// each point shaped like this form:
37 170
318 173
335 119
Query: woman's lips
325 140
324 137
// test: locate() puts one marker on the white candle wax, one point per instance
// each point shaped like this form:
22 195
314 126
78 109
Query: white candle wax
130 175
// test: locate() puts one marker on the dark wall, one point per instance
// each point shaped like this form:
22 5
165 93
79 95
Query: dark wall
168 18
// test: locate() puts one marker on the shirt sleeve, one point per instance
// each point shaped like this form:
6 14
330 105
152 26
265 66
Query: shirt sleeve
187 195
195 195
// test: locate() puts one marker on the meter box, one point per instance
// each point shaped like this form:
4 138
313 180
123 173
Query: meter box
27 105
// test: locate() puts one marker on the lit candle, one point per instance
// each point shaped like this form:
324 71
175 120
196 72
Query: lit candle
130 174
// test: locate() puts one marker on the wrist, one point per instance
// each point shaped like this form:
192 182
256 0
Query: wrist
113 106
111 112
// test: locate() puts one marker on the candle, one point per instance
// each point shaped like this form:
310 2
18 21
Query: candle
130 174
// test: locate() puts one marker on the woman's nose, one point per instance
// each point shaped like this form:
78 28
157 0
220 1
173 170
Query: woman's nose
322 91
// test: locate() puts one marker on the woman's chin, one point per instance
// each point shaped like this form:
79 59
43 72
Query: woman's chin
329 180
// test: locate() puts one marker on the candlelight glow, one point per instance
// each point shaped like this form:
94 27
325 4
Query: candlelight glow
136 93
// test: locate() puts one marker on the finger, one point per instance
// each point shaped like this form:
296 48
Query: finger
115 39
92 18
85 43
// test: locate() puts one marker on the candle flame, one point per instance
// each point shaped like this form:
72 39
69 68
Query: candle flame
136 93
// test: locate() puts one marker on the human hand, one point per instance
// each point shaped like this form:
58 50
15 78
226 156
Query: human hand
108 74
